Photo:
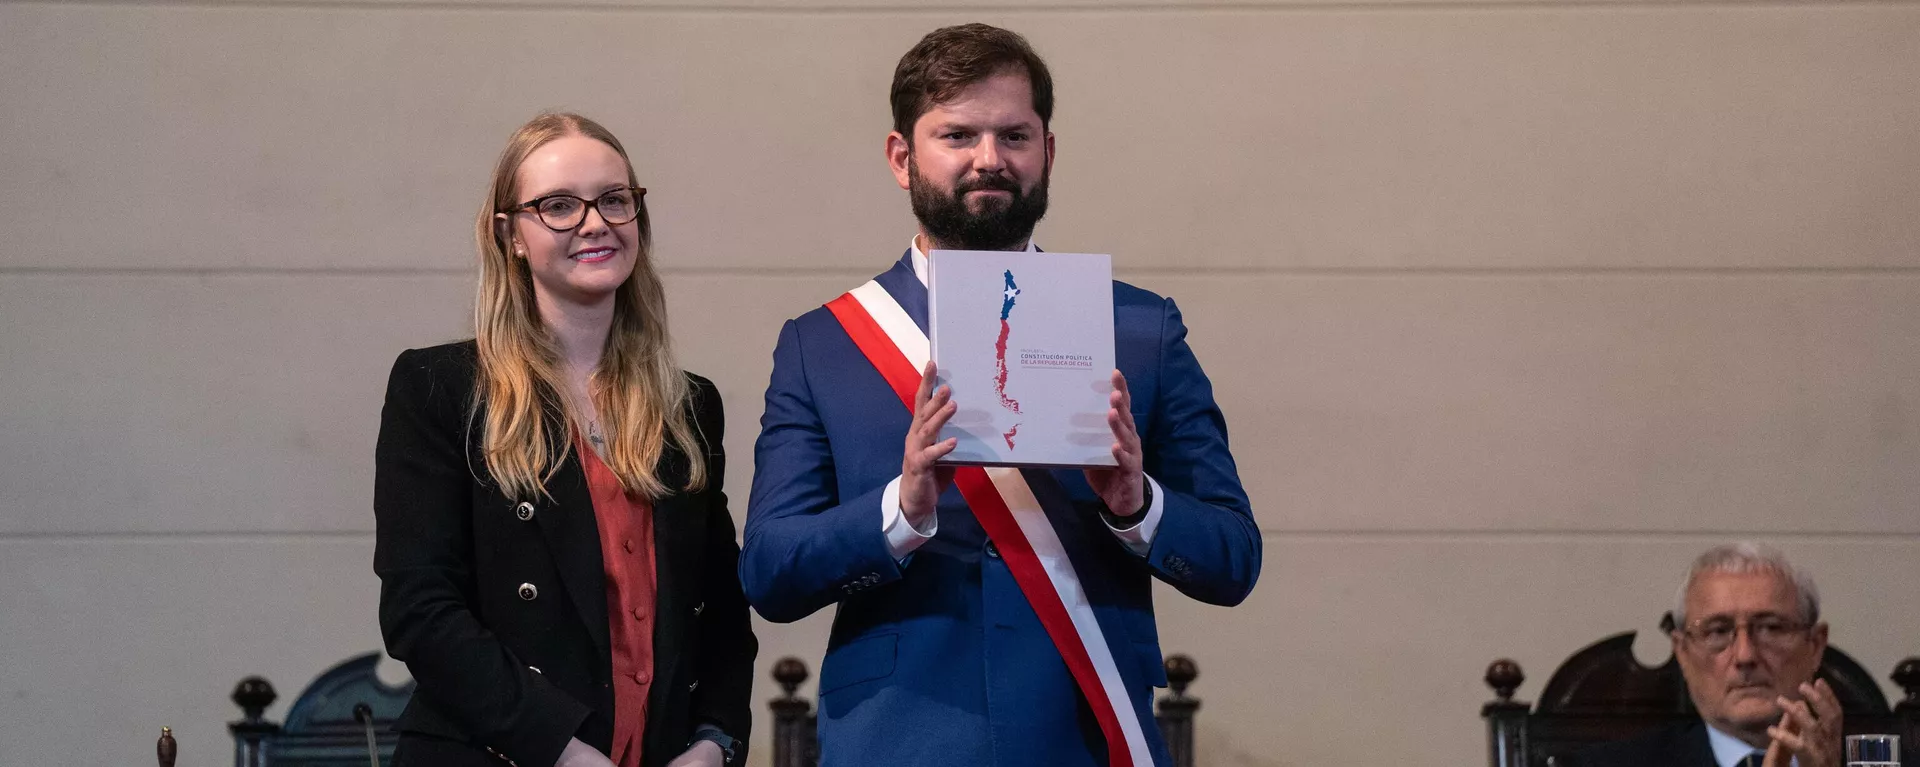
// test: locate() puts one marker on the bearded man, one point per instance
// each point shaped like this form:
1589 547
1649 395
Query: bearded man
953 645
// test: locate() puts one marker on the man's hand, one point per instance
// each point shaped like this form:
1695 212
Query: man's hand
1809 729
921 483
1122 487
704 753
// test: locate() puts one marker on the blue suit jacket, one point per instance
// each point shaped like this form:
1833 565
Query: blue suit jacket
942 660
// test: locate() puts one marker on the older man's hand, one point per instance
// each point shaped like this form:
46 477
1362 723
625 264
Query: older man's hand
1809 729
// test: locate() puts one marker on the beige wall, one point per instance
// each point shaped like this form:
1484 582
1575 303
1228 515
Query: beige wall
1512 306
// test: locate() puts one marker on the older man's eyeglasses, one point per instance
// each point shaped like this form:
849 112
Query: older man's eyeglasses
565 212
1715 635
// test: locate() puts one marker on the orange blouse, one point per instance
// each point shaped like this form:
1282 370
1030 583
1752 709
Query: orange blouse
626 545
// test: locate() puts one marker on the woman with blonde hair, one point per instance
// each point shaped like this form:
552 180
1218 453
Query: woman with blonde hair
556 557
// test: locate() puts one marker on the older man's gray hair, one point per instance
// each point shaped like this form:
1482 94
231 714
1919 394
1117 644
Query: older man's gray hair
1748 557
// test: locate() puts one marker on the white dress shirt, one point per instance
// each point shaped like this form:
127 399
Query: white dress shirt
903 538
1729 750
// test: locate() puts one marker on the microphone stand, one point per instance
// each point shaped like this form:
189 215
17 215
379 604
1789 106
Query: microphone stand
363 714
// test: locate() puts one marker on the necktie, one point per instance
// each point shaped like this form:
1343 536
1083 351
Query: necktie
1753 760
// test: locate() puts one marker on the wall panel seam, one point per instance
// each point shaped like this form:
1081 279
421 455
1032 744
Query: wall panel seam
1301 535
1122 270
1575 535
844 9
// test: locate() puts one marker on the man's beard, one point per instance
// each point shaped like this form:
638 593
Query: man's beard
1000 225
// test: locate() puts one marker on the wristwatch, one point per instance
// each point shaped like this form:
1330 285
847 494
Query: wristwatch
729 747
1118 522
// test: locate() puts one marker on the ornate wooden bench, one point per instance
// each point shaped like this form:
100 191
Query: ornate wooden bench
796 744
1602 693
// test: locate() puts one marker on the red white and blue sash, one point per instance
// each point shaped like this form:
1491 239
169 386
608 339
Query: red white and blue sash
1014 521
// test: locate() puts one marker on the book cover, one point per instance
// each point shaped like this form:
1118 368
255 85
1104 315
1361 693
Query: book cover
1025 341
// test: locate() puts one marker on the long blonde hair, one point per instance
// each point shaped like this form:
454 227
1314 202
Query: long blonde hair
640 393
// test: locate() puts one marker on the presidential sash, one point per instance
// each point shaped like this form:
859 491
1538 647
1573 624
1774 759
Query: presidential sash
1013 520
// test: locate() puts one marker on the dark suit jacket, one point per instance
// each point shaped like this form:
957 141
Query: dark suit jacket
520 676
1680 745
942 661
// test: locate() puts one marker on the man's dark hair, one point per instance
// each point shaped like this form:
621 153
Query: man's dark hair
950 59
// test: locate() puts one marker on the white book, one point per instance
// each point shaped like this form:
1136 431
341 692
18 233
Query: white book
1025 342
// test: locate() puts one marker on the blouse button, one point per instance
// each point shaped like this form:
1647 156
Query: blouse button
529 591
642 677
639 614
628 545
524 511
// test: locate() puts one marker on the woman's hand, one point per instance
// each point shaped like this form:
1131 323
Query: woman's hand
578 754
704 753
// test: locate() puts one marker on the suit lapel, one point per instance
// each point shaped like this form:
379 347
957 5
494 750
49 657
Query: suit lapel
1698 748
677 556
676 528
906 289
573 541
572 533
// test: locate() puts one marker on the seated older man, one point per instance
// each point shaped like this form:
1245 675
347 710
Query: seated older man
1747 632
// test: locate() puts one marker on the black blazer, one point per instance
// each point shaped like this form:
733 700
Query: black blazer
501 614
1680 745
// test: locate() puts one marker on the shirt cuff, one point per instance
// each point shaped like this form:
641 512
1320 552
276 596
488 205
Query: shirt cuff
902 537
1139 538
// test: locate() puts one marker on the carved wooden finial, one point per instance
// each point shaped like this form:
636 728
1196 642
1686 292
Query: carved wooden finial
253 695
1907 675
1505 676
1181 671
790 673
167 749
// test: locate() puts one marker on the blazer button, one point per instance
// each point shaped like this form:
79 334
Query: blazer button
699 608
694 686
529 591
992 550
524 511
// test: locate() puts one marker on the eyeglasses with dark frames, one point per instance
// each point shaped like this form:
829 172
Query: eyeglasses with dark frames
1715 635
565 212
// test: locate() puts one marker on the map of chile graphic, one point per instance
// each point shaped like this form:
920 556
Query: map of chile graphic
1011 292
